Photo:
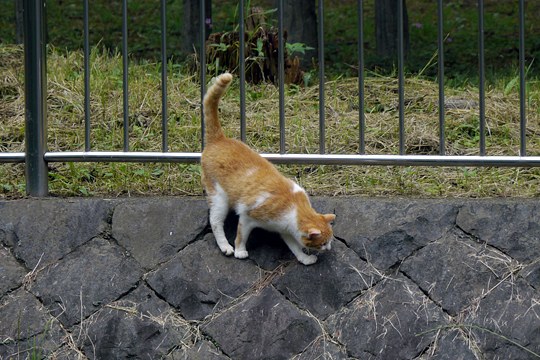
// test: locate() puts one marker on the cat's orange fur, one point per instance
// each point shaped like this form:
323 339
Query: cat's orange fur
236 177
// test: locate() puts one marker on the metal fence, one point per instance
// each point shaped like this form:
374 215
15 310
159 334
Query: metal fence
36 155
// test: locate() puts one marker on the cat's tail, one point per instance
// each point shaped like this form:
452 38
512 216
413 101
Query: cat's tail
213 129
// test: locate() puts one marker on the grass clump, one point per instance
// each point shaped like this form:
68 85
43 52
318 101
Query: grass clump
66 130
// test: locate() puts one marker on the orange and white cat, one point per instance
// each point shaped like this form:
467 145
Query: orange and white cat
236 177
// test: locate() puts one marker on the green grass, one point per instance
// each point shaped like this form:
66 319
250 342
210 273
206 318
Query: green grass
66 130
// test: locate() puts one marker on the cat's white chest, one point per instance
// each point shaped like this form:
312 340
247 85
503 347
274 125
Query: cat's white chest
285 223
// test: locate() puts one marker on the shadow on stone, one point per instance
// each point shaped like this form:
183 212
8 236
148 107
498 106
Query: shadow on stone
266 248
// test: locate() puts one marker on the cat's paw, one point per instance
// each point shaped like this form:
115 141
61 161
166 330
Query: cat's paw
240 254
308 259
227 249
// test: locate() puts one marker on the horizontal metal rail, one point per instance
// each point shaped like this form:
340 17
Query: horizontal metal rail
16 157
318 159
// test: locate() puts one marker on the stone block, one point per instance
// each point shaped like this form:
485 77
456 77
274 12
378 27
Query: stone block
11 272
387 250
358 217
323 349
84 280
200 279
511 226
153 230
451 345
139 325
456 272
323 288
265 325
532 274
393 320
202 350
44 231
506 322
26 328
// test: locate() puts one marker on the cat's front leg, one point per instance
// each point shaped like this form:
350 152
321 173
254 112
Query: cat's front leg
307 259
298 252
218 213
221 240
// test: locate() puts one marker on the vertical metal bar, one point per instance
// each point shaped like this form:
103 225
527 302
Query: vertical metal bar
164 115
401 81
320 34
86 78
361 116
35 75
242 66
202 58
522 98
440 39
125 74
481 70
281 79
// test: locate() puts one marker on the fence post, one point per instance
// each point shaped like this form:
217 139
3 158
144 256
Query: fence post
35 78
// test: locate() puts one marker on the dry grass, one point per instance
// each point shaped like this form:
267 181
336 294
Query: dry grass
66 131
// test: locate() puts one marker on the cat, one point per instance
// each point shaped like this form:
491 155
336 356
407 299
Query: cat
236 177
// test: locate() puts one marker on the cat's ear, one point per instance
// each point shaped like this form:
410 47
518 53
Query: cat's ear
313 233
329 217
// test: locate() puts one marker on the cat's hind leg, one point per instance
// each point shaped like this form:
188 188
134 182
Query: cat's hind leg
219 208
244 228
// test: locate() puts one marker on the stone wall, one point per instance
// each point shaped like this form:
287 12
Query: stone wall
143 278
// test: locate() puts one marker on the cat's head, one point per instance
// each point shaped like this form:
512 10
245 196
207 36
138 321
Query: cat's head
317 234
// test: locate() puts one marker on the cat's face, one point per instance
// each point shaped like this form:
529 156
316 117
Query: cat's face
318 233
